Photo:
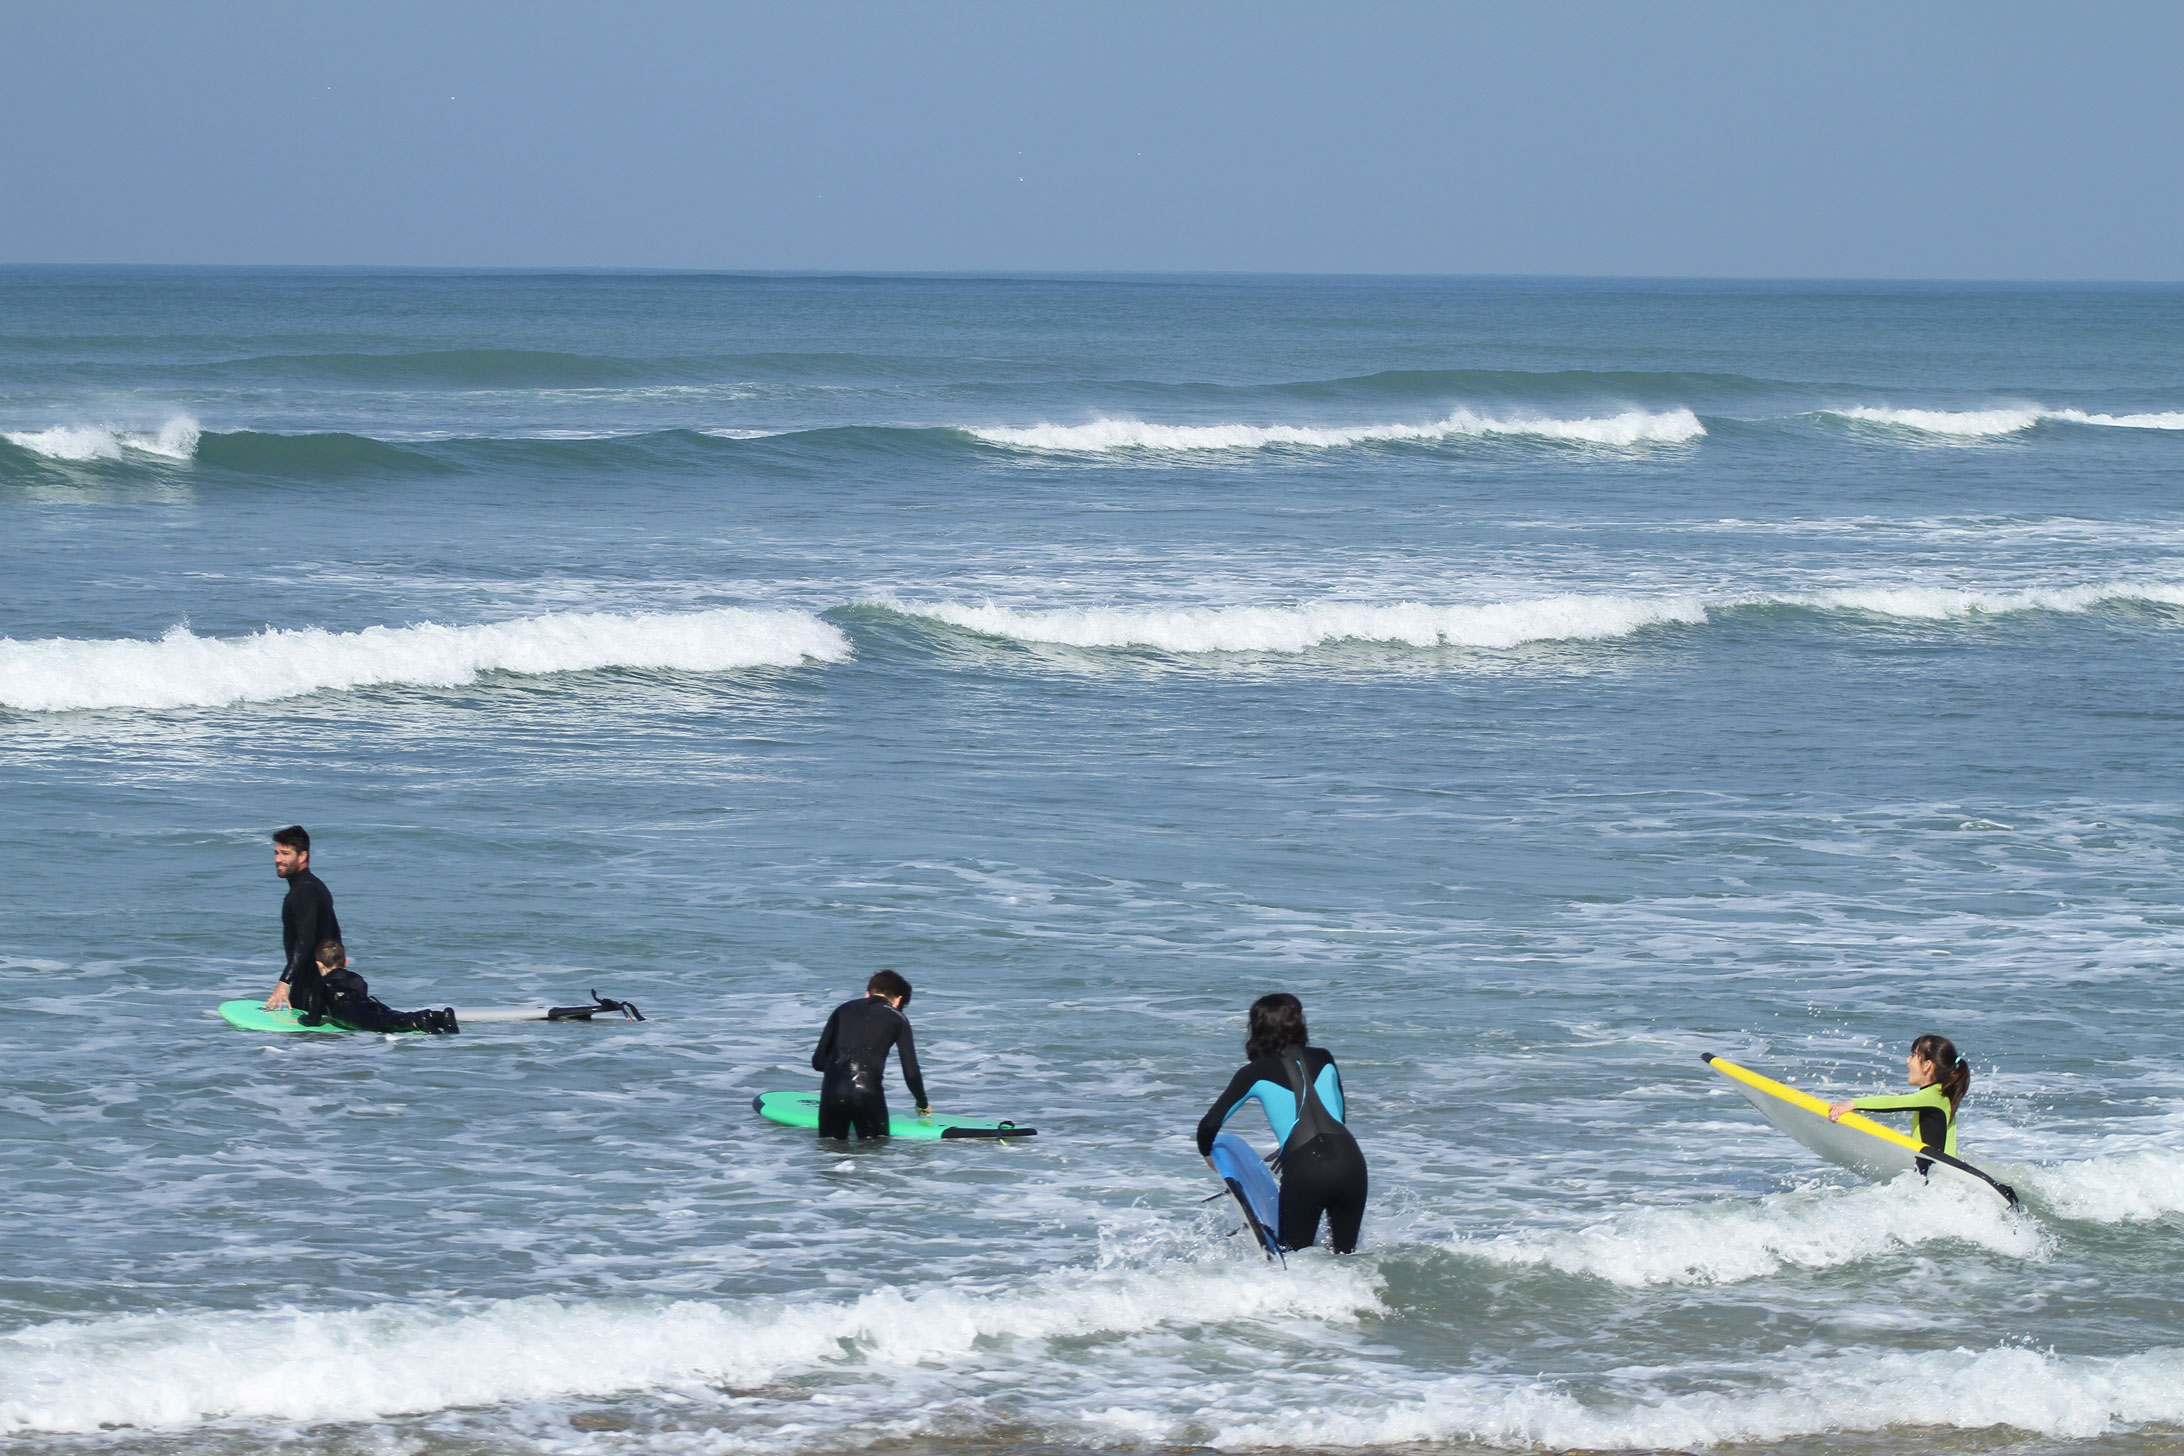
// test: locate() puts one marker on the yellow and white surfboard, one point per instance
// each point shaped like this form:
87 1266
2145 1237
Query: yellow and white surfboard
1855 1142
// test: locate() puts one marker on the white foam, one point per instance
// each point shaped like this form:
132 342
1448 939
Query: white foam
1942 603
176 1370
1963 424
182 669
2130 1187
2166 420
2006 420
174 440
2030 1390
1301 628
1729 1242
1632 427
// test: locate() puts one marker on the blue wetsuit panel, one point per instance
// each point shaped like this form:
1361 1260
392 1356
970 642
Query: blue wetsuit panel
1263 1079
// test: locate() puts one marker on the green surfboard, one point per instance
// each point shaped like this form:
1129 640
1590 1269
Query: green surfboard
801 1109
253 1016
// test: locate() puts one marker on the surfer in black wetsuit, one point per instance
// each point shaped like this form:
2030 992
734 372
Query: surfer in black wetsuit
1322 1167
307 922
852 1057
346 999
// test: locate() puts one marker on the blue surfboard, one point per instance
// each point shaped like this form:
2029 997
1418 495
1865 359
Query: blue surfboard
1254 1189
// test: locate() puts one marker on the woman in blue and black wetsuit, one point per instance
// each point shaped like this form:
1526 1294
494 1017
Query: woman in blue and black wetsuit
1322 1167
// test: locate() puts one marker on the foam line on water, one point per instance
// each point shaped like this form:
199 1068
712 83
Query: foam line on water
182 669
1942 603
2001 420
178 1370
174 440
1733 1241
1631 427
2030 1390
1300 628
1573 617
2128 1187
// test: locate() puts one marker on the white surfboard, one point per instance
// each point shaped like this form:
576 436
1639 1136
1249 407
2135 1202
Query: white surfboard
1855 1141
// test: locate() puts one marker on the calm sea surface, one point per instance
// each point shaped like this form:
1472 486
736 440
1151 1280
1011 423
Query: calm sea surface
1548 682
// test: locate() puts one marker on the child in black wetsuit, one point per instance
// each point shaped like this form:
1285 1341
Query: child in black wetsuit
344 998
852 1055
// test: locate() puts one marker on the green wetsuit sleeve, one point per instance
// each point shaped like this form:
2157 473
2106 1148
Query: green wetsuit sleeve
1908 1102
1929 1100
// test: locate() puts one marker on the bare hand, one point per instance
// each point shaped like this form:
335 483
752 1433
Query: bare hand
279 998
1836 1111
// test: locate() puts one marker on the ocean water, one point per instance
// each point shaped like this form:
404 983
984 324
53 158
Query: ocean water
1546 681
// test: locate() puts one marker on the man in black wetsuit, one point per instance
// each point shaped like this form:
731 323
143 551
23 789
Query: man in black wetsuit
307 922
852 1055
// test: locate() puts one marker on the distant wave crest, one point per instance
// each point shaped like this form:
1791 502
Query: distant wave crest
174 440
1572 617
182 669
2007 420
1632 427
1299 628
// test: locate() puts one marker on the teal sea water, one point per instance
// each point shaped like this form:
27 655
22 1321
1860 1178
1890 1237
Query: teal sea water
1547 681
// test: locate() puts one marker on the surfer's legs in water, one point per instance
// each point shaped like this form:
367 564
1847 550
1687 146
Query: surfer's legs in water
1326 1175
849 1104
372 1014
346 1000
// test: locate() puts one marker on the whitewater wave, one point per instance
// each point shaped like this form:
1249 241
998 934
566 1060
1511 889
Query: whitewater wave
2007 420
1730 1242
1298 629
1492 624
2029 1390
175 1370
183 670
174 440
2133 1187
1632 427
1944 603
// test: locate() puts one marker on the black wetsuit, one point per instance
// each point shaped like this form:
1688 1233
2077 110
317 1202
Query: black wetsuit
347 1000
851 1057
1323 1169
307 922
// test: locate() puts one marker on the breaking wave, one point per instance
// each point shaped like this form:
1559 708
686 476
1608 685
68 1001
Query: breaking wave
75 444
2008 1386
1298 629
1992 423
1730 1242
1633 427
175 1370
182 670
1491 624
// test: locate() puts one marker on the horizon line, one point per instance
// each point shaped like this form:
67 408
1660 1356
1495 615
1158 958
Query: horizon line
1078 274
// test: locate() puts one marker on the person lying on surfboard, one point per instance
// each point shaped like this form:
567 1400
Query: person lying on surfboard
1941 1077
852 1059
1322 1167
346 999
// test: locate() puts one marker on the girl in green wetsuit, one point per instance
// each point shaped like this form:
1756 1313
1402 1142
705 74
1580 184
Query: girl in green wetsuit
1942 1078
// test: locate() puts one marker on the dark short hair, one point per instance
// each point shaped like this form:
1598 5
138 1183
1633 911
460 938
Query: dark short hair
331 955
295 836
1277 1023
887 983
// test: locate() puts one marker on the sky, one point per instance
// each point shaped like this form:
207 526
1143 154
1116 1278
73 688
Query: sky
1754 139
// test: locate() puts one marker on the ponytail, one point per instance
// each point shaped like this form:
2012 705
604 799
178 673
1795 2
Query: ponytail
1951 1072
